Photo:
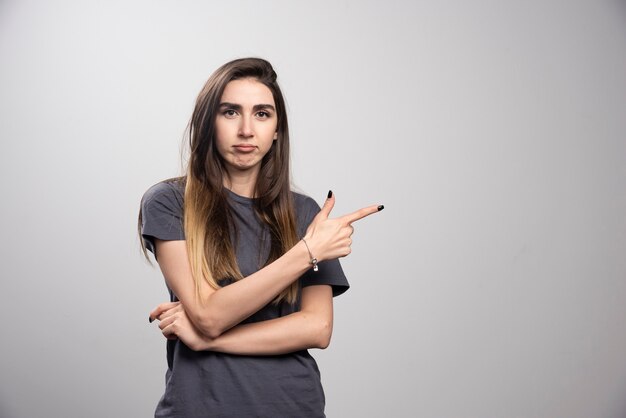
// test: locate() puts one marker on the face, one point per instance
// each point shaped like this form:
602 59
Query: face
245 125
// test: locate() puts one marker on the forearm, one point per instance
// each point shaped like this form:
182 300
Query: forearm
311 327
213 311
297 331
229 305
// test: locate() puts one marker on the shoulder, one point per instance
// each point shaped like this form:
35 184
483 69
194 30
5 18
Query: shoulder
306 208
166 195
304 203
161 213
171 189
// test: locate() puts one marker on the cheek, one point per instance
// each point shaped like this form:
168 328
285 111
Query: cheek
269 133
220 146
221 135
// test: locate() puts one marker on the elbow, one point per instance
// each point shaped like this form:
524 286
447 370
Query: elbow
209 327
323 333
212 333
324 343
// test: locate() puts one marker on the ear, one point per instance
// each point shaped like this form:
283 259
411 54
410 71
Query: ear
275 135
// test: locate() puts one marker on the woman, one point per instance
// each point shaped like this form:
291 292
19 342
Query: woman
251 266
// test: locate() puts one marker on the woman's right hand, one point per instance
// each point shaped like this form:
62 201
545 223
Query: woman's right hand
328 238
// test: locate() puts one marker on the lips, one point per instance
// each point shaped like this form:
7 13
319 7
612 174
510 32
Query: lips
244 147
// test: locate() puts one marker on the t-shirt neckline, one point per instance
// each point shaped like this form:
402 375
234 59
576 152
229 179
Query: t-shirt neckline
240 199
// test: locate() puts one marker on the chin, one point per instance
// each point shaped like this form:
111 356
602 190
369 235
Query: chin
247 165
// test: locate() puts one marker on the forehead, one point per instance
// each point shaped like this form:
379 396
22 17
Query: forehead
247 91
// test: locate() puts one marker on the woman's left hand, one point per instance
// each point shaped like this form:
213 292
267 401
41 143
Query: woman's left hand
175 324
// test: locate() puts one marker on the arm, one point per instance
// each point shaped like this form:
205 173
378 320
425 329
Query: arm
311 327
216 311
220 310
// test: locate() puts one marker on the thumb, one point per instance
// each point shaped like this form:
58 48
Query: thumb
328 206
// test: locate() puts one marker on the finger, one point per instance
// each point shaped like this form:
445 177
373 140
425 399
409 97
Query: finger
170 312
156 312
169 333
160 309
166 322
360 214
328 206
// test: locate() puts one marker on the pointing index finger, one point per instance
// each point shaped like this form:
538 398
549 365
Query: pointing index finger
361 213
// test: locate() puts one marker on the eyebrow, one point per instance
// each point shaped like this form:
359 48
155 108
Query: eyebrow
254 108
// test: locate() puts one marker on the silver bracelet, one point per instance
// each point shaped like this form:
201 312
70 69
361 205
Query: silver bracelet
313 259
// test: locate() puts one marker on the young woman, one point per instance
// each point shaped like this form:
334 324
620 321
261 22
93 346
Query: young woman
251 266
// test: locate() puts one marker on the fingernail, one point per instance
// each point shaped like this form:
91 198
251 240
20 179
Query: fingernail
330 194
381 207
150 319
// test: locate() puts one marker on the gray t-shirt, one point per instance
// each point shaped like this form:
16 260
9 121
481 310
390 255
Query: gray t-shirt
212 384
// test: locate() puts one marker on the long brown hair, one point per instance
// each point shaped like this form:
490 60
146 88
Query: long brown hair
208 223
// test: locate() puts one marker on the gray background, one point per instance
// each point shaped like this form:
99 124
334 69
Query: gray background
493 284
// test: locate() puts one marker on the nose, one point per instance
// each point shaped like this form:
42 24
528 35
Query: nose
245 128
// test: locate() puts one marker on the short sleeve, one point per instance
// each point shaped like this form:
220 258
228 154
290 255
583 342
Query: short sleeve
162 214
330 271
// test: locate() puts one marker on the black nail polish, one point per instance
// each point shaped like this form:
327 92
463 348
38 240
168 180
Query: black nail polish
150 319
381 207
330 194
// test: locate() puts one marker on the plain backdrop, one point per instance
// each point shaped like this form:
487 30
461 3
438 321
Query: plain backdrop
492 285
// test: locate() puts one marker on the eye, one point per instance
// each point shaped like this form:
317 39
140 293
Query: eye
229 113
263 114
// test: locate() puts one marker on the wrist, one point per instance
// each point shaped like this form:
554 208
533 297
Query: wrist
299 256
312 258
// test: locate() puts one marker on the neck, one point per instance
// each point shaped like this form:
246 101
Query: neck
242 182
